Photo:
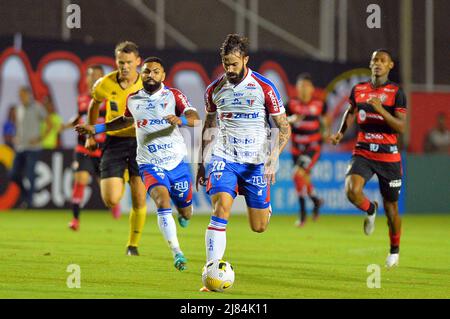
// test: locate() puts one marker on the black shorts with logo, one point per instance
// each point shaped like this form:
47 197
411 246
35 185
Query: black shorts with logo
119 153
83 162
389 175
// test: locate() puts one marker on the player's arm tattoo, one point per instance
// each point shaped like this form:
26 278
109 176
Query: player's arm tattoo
207 134
347 119
284 131
119 122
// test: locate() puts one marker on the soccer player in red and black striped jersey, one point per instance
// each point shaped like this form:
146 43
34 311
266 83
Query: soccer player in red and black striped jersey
307 116
86 162
380 110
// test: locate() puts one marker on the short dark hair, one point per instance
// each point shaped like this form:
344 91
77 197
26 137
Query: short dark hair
304 76
234 43
127 47
384 51
96 67
154 59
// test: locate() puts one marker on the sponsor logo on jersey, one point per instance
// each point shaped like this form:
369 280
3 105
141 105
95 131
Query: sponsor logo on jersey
389 90
231 115
251 86
245 140
145 122
274 100
157 147
238 94
373 136
183 100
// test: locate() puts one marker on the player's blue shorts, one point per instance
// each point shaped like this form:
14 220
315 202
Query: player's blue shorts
236 178
178 181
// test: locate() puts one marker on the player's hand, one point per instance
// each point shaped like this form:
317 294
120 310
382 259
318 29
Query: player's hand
200 179
376 104
173 119
269 170
85 129
336 138
91 143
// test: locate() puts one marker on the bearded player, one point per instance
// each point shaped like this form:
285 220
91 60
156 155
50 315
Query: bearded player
380 110
240 103
157 111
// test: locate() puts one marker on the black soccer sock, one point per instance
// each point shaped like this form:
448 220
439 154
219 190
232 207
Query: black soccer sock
395 249
76 211
302 208
371 209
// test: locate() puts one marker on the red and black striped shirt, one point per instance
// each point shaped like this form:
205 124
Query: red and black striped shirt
376 139
306 133
83 106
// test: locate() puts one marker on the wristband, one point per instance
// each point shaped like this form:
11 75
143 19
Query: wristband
184 120
100 128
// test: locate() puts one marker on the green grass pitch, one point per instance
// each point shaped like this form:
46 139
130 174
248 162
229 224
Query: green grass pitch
326 259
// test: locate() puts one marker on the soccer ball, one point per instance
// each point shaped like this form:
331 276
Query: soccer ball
218 275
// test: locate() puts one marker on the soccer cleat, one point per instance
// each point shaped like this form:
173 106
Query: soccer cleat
300 224
132 251
183 221
74 224
392 260
204 289
180 262
369 221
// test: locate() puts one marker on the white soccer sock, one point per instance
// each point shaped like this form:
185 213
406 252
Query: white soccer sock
168 228
216 238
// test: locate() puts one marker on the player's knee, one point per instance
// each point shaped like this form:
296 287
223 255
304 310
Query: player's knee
352 193
111 201
259 227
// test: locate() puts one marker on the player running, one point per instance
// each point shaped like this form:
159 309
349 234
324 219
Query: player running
157 111
239 102
380 109
86 162
119 151
307 116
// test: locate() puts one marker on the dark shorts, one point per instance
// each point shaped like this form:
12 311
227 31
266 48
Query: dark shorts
307 159
83 162
389 175
119 153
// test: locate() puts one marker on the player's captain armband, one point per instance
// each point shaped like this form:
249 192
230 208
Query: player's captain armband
184 120
100 128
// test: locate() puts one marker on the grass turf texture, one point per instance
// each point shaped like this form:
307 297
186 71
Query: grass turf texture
326 259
